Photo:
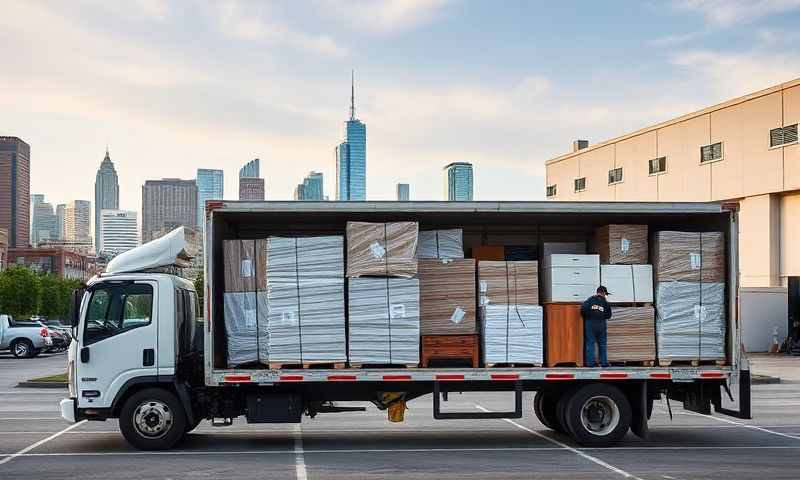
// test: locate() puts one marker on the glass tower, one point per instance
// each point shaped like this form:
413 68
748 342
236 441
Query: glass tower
351 157
403 192
458 182
209 187
311 188
106 193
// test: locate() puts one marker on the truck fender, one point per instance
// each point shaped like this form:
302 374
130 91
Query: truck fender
134 383
183 395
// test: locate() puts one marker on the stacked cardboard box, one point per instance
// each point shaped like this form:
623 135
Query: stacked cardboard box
382 249
690 295
630 335
447 296
383 320
622 244
440 244
245 301
511 326
305 292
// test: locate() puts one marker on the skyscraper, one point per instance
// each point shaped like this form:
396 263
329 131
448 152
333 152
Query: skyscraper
15 188
403 192
44 225
458 182
209 187
311 188
118 231
106 193
168 204
251 169
60 212
351 156
251 186
78 221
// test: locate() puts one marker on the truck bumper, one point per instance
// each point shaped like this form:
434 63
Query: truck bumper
68 409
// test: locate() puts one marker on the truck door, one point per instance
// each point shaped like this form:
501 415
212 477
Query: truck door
118 341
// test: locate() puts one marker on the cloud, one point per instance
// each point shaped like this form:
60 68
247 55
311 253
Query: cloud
727 13
675 39
385 15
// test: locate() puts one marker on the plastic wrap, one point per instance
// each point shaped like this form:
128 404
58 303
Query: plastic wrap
622 244
382 249
383 322
244 265
631 334
689 256
441 244
246 327
508 282
447 296
305 291
512 334
690 321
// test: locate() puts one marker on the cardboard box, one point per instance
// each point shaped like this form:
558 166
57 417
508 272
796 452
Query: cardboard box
245 265
447 297
382 249
689 256
631 334
508 282
622 244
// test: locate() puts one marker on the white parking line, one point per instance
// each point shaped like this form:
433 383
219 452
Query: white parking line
299 458
744 425
567 447
40 442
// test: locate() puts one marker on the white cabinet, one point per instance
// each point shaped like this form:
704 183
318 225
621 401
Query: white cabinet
628 283
570 277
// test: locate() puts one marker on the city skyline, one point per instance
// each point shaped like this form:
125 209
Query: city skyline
106 193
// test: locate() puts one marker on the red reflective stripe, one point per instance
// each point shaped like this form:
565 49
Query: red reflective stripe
711 374
450 377
291 378
505 376
237 378
559 376
613 375
661 375
397 377
341 378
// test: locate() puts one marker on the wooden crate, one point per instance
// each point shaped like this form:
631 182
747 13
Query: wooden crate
563 331
448 347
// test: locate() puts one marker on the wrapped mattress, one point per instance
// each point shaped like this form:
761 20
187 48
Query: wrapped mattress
631 334
690 321
622 244
512 334
246 327
508 282
689 256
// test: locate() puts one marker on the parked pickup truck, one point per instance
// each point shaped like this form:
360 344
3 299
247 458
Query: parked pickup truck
23 339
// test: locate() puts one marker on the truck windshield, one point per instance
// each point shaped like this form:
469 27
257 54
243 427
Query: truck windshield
115 309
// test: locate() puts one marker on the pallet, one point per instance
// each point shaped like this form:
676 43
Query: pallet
384 365
693 363
633 363
514 365
449 348
307 365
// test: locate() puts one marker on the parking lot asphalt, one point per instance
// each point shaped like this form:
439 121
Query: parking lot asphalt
36 443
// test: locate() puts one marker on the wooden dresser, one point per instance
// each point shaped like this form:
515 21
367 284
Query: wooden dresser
563 329
447 347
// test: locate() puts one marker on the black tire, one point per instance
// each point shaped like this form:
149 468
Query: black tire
152 419
36 352
544 406
560 424
22 348
597 415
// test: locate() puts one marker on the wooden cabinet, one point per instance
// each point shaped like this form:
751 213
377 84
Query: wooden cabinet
446 347
563 330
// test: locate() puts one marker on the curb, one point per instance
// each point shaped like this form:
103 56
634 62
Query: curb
42 385
764 380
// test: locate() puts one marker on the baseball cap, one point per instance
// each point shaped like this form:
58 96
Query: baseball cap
603 290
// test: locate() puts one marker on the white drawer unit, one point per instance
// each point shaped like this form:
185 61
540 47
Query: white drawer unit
575 276
628 283
570 277
572 260
571 293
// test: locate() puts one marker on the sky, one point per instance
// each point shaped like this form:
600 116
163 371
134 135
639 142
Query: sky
172 86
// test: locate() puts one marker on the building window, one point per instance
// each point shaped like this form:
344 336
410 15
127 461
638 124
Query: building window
551 190
783 136
580 184
657 165
711 153
615 176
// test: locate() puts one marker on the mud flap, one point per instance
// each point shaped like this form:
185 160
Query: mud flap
637 396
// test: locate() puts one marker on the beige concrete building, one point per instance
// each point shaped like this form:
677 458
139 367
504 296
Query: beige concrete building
744 150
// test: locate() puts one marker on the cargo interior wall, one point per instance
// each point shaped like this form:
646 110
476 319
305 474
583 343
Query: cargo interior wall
479 228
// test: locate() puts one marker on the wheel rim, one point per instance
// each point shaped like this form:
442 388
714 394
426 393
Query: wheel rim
152 419
600 415
21 349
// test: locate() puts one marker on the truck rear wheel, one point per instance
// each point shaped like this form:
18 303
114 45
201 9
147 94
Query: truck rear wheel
597 415
544 406
152 419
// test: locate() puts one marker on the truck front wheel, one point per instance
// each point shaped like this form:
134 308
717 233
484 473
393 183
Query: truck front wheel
152 419
597 415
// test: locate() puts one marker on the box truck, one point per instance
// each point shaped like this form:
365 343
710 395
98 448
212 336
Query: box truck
144 354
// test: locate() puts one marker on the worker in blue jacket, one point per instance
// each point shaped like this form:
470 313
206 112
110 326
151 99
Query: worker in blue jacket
595 312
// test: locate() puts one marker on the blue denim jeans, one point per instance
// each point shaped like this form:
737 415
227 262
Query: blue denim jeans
594 331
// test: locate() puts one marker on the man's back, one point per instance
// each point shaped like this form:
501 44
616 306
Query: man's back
596 308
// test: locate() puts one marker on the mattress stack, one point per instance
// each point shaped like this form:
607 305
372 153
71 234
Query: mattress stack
383 293
441 244
245 301
690 295
631 336
511 324
447 296
305 293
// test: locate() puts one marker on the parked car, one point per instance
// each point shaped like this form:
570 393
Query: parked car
61 336
23 339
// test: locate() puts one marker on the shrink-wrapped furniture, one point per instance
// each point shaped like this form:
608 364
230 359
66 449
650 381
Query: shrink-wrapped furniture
382 249
689 256
690 321
245 301
512 334
440 244
245 265
447 296
622 244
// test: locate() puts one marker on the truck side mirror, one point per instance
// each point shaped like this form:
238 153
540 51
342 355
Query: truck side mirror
75 307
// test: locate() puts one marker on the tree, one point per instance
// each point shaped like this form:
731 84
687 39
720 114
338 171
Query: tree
56 295
199 287
20 292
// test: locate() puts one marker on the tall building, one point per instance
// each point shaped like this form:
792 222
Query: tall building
3 249
403 192
106 193
168 204
251 169
251 186
458 182
351 156
118 231
311 188
44 225
15 190
210 186
744 151
60 212
78 221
